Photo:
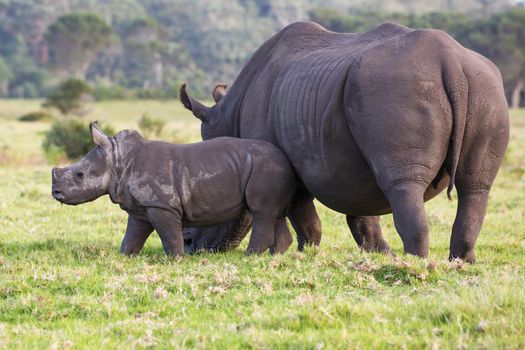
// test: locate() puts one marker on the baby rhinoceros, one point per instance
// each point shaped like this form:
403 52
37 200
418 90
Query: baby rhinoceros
163 186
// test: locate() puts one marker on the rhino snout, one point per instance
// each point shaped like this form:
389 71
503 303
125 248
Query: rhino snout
57 194
55 191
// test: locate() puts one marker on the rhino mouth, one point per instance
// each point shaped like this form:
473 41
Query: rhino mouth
58 195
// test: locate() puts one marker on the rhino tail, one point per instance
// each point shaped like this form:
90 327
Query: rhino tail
456 87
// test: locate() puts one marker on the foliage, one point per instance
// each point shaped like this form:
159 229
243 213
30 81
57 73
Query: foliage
75 40
64 285
72 136
36 117
69 97
5 76
109 93
502 39
147 47
29 82
157 94
151 126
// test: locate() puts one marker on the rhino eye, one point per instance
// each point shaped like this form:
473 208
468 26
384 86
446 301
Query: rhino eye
79 174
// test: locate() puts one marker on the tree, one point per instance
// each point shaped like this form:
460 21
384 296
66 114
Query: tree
501 38
70 97
75 40
144 43
5 76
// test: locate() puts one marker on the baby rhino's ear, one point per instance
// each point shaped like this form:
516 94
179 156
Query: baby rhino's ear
99 137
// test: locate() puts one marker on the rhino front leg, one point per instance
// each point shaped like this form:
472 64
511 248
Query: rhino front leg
367 233
304 219
169 227
137 232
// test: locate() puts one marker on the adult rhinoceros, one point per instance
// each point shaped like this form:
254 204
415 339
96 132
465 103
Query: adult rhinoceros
373 123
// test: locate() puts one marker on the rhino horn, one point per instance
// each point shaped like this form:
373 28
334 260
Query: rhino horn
199 110
218 92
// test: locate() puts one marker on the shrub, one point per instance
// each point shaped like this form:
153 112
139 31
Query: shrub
151 126
70 97
72 137
36 117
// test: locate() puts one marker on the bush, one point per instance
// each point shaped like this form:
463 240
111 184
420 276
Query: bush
72 137
36 117
151 126
70 97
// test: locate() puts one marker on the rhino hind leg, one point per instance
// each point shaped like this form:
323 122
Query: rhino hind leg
263 234
304 220
406 201
367 233
467 225
283 237
474 179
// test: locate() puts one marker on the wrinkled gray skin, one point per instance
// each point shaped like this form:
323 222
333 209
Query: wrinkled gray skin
164 186
373 123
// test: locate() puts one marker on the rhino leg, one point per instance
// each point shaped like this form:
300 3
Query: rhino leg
304 220
240 229
481 156
474 178
169 227
137 232
406 201
471 212
367 233
473 181
263 235
283 237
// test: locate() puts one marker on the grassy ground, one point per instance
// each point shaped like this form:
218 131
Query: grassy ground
64 285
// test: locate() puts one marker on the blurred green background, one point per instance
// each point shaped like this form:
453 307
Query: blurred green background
146 48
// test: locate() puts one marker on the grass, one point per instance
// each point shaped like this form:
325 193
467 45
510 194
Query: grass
64 285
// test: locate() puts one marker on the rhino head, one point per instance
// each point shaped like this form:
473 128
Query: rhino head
87 179
98 172
212 123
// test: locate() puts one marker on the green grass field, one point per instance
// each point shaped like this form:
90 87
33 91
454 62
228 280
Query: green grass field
63 284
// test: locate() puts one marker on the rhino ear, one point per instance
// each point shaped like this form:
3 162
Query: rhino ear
99 137
199 110
218 92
